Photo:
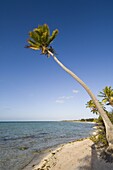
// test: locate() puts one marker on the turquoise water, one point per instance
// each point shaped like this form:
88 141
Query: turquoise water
21 142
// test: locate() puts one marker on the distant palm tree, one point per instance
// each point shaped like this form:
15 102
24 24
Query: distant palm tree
90 104
107 95
40 39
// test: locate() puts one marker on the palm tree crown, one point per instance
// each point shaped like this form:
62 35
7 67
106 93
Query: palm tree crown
40 39
107 95
90 104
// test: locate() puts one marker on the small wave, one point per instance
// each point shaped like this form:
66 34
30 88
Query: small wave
43 133
18 138
8 138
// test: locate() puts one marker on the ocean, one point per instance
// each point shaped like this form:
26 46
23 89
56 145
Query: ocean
23 143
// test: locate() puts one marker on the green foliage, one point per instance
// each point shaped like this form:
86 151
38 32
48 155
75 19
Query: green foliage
40 39
88 120
51 38
100 140
100 120
107 95
90 104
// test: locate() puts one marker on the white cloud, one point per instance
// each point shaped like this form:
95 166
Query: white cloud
68 97
62 97
60 101
65 97
75 91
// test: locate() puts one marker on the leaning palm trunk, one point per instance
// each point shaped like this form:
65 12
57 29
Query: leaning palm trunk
107 122
40 39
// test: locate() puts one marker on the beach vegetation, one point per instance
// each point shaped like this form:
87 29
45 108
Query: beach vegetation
88 120
100 140
106 96
40 39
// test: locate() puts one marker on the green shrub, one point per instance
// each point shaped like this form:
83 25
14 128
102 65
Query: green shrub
100 139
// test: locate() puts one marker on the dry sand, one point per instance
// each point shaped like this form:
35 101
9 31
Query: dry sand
78 155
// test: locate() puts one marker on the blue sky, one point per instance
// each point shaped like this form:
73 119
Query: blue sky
33 87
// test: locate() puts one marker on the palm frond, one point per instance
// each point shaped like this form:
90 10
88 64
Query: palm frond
33 43
35 37
44 38
105 100
39 29
32 47
46 29
52 37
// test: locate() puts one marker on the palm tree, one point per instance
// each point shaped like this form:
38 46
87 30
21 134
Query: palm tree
40 39
90 104
107 95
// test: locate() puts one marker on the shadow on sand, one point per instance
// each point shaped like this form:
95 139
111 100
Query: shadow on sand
97 162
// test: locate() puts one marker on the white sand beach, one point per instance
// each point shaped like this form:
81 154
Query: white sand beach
78 155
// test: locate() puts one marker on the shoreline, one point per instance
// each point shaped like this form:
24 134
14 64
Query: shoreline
37 161
76 155
34 140
41 155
